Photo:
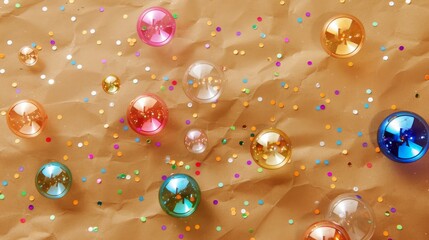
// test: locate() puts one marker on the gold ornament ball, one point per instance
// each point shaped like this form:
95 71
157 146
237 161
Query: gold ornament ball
271 149
343 36
28 55
111 84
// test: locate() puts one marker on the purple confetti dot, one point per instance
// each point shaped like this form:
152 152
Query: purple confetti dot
249 162
21 169
286 40
236 175
181 236
238 34
329 174
337 92
103 61
137 54
309 63
188 122
307 14
218 29
401 48
102 9
393 210
365 144
52 42
31 207
322 107
171 88
164 177
91 156
215 202
158 144
278 64
164 227
116 146
121 120
18 91
207 45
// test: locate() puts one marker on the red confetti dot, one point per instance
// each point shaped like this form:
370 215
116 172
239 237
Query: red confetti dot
48 139
197 173
22 220
198 164
259 19
369 165
174 82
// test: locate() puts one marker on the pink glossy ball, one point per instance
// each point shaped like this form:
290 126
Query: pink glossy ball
156 26
147 114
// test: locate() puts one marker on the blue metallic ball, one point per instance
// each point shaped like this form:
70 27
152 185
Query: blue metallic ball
53 180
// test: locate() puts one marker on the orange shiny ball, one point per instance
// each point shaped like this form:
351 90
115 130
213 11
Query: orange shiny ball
326 230
271 149
28 55
26 118
343 36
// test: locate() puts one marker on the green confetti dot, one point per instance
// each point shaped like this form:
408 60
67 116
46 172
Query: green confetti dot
136 172
175 16
399 227
162 88
143 219
173 166
374 24
232 128
187 167
241 143
119 191
95 229
224 141
254 26
17 5
291 221
218 228
23 193
260 170
276 74
220 184
246 203
251 230
52 217
2 196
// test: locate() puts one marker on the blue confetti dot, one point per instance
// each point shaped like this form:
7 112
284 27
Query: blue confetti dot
339 130
73 62
366 105
282 84
318 161
299 20
326 162
62 8
125 128
245 80
261 202
383 48
263 35
141 198
339 142
33 45
85 99
103 170
317 108
137 140
190 82
83 179
165 78
5 183
360 134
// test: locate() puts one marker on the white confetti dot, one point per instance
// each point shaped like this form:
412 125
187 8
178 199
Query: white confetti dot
9 42
135 81
408 1
51 81
230 160
90 229
189 105
118 42
128 177
355 189
54 48
6 1
93 93
2 70
370 99
147 69
391 3
385 58
79 66
322 143
73 19
106 125
80 145
111 104
260 99
92 30
52 217
355 112
43 76
243 211
69 57
44 8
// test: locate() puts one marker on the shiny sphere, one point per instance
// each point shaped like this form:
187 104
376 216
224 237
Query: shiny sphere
111 84
28 56
343 36
147 114
325 230
156 26
271 149
26 118
53 180
179 195
196 141
403 137
354 215
203 82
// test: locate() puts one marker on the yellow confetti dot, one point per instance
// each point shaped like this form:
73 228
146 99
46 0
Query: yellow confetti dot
342 1
209 22
252 238
242 52
14 85
213 34
3 113
322 95
286 86
71 1
187 228
125 16
334 179
119 154
174 58
65 157
101 111
197 226
84 32
98 42
253 128
69 143
295 89
281 105
295 107
59 117
327 126
85 143
380 199
153 76
38 47
195 115
261 45
328 100
235 155
245 104
16 175
213 105
115 135
332 186
303 167
235 52
393 107
273 119
344 152
17 140
296 173
75 202
31 198
385 233
181 163
119 53
350 64
50 33
316 211
137 179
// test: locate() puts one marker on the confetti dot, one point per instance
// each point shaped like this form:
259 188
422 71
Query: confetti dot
399 227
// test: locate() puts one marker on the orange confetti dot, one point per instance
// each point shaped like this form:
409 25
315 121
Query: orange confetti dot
295 89
75 202
322 95
377 149
218 158
137 179
31 198
427 77
296 173
316 211
246 104
303 167
69 143
273 102
253 128
187 228
327 126
119 154
281 105
350 64
393 107
2 55
197 226
385 233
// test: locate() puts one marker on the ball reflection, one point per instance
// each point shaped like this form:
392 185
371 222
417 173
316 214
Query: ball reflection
196 141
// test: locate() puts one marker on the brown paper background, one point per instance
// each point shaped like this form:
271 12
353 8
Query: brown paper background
396 81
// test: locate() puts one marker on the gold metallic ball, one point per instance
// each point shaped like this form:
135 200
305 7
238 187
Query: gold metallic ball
326 230
343 36
271 149
111 84
26 118
28 55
